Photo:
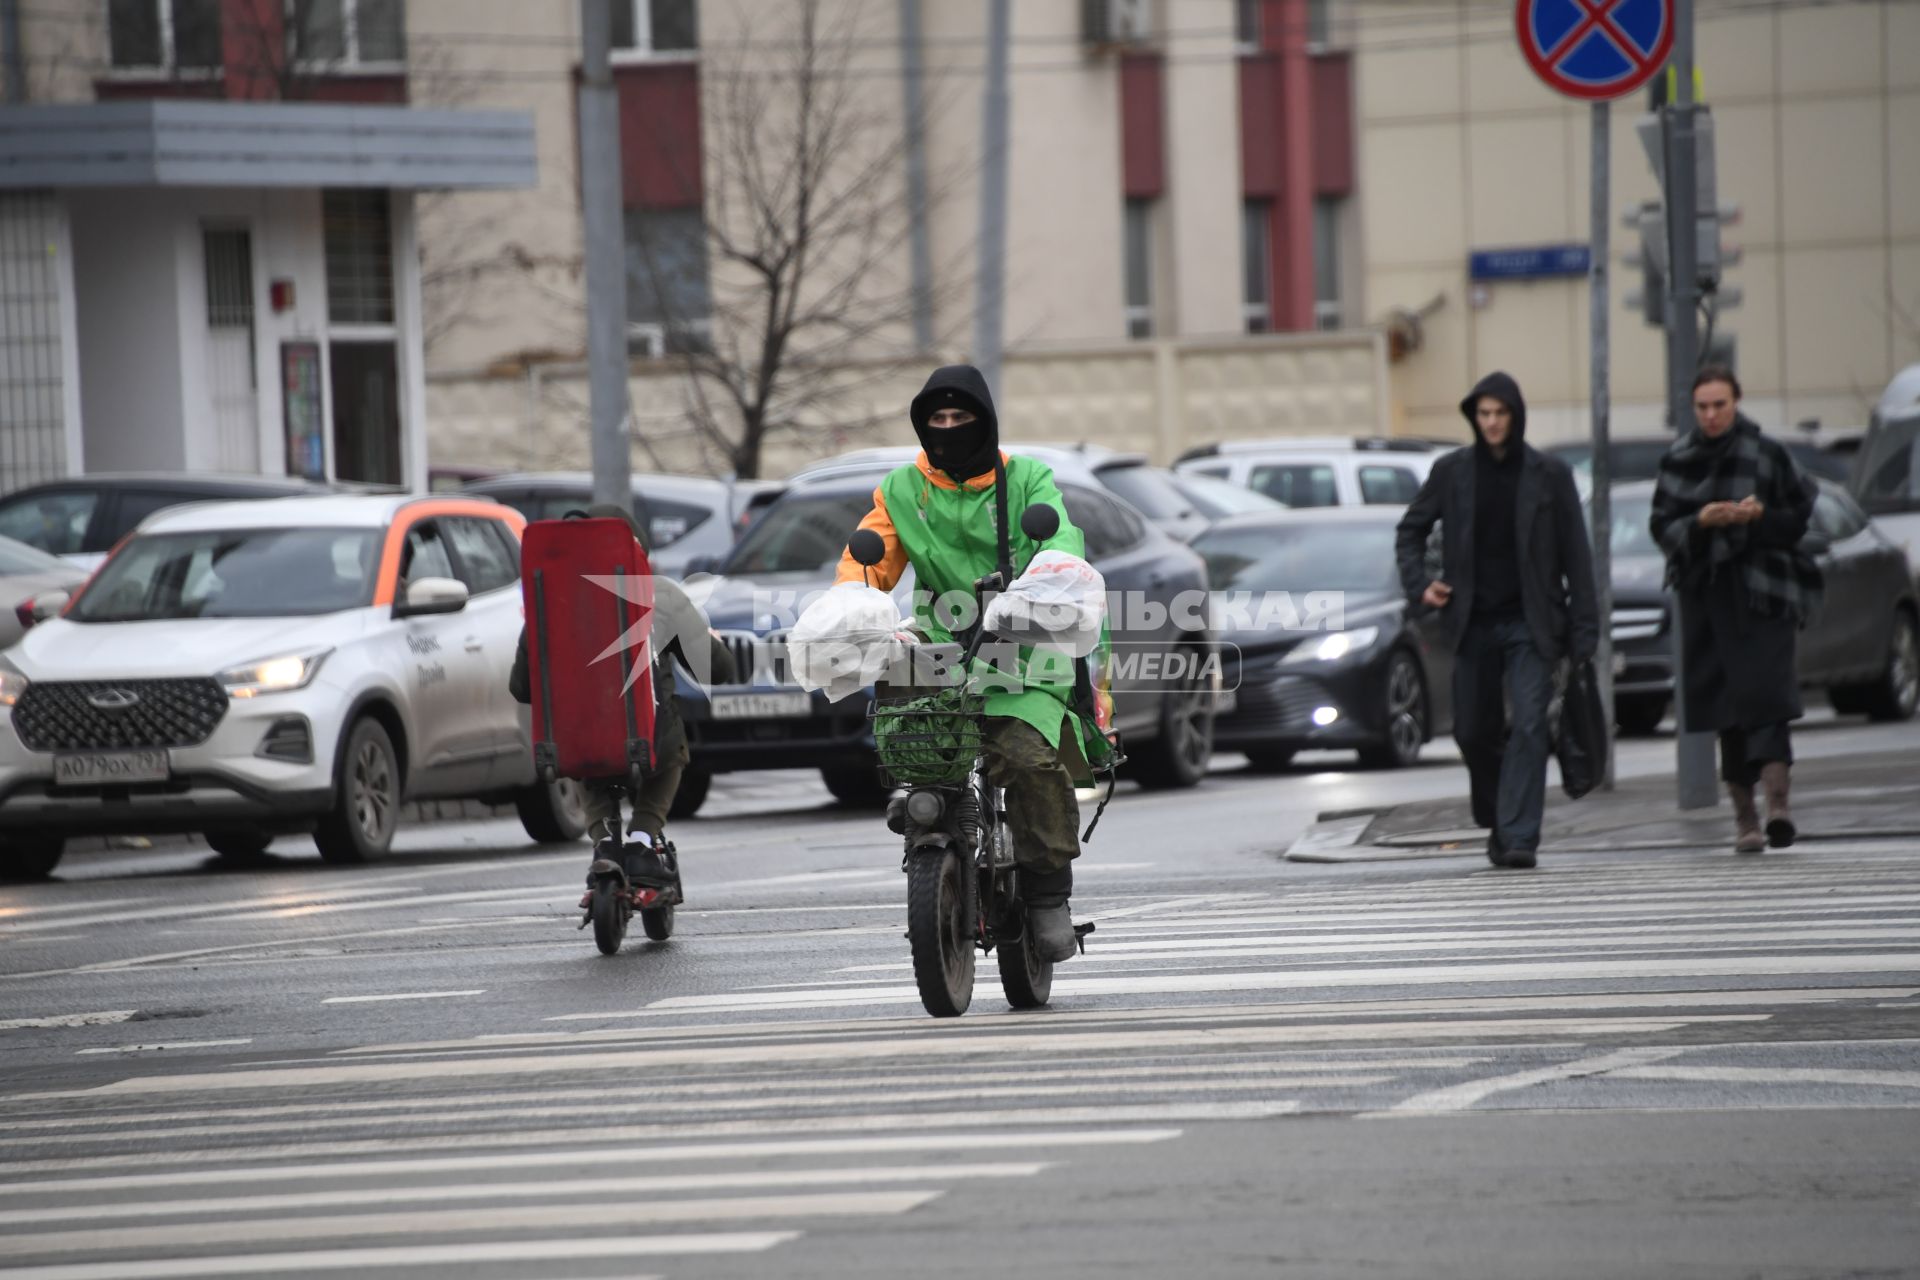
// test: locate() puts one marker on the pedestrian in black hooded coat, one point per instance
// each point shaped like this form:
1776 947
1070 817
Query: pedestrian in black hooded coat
1730 509
1516 595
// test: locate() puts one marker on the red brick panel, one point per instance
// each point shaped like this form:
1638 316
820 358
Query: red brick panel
660 135
1332 123
1143 116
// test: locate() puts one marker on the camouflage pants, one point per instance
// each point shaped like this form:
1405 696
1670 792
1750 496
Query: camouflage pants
1042 813
650 805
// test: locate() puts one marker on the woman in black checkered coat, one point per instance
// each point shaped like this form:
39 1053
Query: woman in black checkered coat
1730 510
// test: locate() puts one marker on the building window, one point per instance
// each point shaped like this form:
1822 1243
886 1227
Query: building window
1326 263
669 305
1319 23
1246 25
164 35
1139 268
656 26
1256 257
348 33
358 230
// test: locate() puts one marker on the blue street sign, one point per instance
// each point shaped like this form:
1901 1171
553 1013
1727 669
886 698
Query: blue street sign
1595 49
1538 263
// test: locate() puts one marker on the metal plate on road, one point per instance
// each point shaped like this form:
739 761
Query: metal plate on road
1595 49
107 768
753 706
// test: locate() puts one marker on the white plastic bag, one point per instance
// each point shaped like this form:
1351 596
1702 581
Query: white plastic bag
1060 603
845 640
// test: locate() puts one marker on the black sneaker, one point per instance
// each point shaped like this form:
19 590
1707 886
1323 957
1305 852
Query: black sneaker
1521 859
649 865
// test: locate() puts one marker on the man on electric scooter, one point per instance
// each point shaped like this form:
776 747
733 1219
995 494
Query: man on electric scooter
942 514
678 622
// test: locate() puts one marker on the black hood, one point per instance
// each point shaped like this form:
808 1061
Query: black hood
961 452
1503 388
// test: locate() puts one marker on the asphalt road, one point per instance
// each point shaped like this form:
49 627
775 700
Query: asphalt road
1666 1064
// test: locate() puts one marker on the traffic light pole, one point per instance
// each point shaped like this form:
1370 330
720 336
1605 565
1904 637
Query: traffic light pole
1602 399
1693 764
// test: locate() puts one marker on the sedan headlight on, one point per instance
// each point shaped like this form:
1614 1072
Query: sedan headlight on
12 683
273 675
1334 647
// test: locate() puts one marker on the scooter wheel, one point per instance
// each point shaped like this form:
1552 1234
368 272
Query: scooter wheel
609 910
658 922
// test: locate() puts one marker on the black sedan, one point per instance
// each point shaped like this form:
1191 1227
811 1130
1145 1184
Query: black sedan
1317 641
1863 646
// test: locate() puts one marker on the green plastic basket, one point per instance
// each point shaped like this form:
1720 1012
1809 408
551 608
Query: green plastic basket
930 740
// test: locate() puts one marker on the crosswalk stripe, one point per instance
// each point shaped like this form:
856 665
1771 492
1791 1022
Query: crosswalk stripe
607 1214
443 1255
469 1106
605 1135
995 1140
555 1189
1011 1038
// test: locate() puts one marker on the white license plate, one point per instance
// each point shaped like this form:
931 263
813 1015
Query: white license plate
754 706
96 768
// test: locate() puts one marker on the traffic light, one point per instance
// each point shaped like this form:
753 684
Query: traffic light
1649 219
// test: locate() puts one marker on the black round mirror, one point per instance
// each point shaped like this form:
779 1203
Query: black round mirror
867 547
1040 521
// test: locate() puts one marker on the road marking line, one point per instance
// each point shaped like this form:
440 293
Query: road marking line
918 1144
1459 1097
544 1190
69 1020
1778 1075
580 1139
277 902
439 1255
407 995
422 1109
1354 976
611 1215
174 1044
703 1106
9 914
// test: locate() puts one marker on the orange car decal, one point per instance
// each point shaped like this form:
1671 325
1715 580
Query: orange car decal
387 583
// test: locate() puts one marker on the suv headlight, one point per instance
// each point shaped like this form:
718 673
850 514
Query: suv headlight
273 675
1332 648
12 683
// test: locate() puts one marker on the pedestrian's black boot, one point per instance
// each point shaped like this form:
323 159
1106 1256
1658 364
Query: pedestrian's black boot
1048 916
1520 859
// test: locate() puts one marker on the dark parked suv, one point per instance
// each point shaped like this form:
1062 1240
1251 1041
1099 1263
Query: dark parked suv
765 722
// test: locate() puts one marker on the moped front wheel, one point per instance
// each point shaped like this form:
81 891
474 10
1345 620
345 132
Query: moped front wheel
939 927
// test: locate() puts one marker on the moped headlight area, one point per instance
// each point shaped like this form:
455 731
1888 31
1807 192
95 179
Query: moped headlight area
926 807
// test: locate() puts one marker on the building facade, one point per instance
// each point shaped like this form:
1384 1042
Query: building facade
208 212
1816 111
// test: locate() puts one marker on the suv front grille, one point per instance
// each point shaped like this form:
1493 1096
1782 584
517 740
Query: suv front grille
756 656
62 715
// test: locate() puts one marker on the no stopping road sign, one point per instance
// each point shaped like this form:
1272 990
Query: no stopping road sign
1595 49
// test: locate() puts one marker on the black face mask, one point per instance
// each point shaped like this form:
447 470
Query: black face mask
957 450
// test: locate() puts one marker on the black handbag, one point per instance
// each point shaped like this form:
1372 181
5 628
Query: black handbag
1582 741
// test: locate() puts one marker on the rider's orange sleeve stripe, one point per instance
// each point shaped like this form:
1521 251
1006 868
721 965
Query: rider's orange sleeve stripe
885 574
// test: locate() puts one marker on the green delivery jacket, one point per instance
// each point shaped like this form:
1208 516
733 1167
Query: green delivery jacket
946 532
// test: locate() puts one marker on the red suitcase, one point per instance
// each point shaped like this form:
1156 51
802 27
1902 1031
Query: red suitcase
588 593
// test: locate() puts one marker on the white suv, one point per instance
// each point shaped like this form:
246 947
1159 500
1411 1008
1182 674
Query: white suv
251 669
1334 471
